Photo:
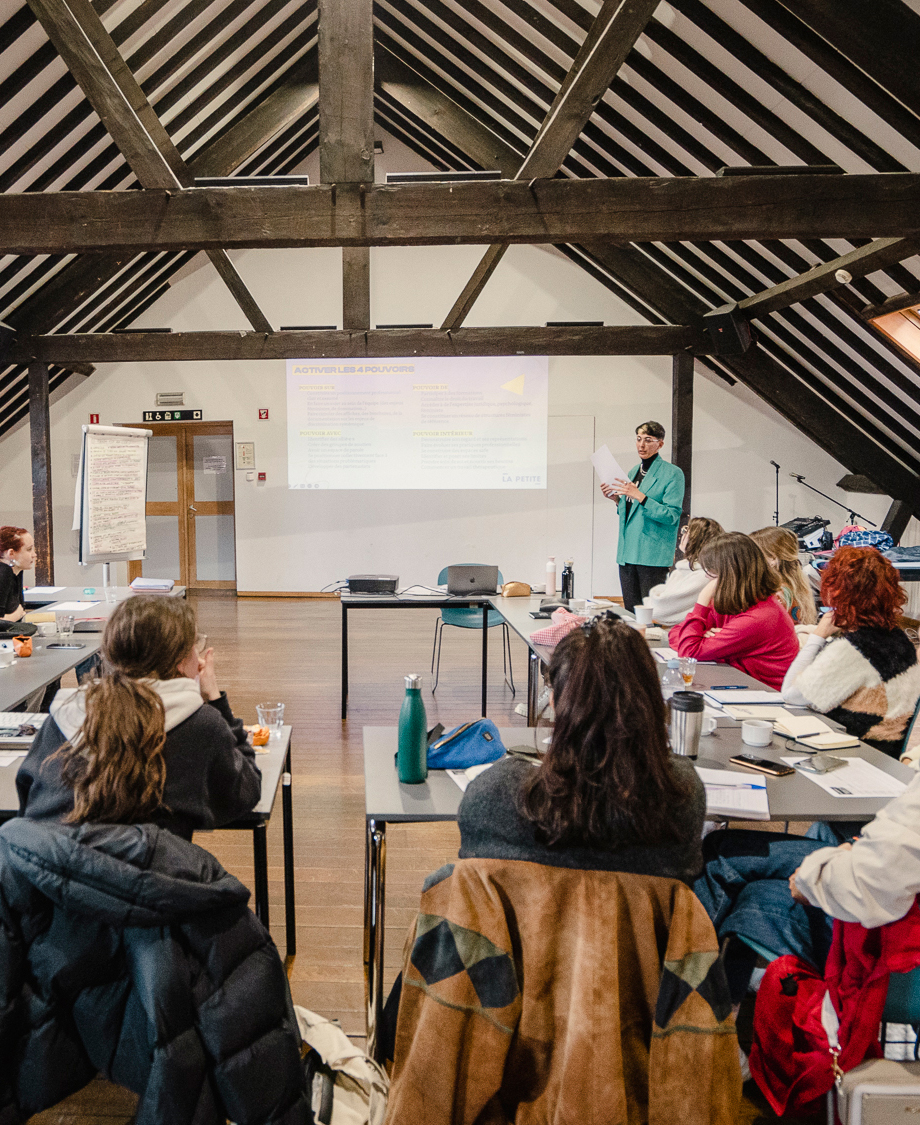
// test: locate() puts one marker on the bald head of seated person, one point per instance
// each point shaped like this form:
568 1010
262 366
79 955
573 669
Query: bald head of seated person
17 554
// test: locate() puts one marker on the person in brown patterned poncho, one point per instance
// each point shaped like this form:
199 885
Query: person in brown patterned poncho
562 970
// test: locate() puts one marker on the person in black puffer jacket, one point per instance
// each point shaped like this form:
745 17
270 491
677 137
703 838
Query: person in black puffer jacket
129 951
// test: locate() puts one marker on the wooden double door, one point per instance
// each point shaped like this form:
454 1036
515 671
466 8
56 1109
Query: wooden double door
191 534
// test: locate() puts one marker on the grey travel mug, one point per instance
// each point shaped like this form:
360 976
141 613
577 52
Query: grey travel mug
686 723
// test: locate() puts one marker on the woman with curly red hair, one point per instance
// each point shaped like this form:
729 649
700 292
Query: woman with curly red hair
859 667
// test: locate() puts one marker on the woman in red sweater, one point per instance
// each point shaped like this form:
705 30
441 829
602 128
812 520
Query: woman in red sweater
737 618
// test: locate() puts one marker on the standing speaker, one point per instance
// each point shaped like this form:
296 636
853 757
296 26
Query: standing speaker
729 332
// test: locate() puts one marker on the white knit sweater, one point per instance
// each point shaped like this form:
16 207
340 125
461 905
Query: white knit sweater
672 600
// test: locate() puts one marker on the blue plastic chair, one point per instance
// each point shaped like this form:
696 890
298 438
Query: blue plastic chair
470 619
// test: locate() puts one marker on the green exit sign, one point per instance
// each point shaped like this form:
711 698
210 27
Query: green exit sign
172 415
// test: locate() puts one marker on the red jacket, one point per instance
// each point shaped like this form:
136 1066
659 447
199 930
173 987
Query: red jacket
790 1059
761 641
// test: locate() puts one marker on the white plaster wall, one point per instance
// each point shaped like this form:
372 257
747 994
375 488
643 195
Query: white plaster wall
303 540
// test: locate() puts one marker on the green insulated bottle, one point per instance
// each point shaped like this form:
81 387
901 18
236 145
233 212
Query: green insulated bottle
412 756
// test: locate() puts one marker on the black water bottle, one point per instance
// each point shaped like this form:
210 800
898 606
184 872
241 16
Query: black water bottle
568 580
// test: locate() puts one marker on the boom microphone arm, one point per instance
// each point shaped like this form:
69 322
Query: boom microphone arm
854 516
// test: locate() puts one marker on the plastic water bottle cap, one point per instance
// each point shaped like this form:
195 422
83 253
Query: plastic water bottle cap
414 681
674 662
89 589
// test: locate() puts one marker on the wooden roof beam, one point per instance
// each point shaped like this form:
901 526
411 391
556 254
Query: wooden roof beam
79 279
140 347
90 54
346 129
442 115
877 255
612 36
624 209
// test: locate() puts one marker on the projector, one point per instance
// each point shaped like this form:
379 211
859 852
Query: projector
373 583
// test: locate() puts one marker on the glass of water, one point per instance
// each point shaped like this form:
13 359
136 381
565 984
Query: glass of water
271 715
64 622
688 669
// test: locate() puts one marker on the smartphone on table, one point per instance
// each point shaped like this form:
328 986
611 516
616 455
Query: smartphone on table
762 765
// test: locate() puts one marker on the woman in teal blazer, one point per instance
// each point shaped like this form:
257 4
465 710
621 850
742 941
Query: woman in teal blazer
650 504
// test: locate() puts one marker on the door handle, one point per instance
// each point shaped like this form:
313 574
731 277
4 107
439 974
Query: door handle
192 508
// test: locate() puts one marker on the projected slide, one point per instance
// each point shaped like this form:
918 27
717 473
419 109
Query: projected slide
418 423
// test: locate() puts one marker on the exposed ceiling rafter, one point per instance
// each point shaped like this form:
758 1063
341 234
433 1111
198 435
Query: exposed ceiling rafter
617 26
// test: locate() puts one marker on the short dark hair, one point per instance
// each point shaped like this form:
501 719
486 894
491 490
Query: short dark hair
653 429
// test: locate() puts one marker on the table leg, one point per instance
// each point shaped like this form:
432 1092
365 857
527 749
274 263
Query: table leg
485 656
534 680
287 824
260 862
344 661
375 860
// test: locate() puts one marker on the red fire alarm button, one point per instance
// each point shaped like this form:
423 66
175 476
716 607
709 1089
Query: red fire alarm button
263 415
94 419
261 476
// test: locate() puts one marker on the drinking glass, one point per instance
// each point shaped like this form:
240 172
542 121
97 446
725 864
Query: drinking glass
64 622
688 669
271 715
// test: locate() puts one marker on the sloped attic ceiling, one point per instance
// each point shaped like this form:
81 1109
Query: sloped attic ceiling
466 84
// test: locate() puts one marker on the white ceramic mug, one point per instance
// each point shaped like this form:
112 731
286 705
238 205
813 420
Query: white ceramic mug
710 722
47 629
643 615
756 732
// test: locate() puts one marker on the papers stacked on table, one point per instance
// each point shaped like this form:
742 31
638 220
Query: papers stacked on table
153 585
858 778
12 744
735 795
464 777
809 729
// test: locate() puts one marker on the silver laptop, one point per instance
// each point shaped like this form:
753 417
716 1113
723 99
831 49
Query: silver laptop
472 579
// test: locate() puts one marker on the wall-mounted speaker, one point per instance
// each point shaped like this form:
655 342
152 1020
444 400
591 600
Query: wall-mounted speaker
729 331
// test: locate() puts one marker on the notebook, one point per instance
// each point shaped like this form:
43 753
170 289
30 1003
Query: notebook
743 696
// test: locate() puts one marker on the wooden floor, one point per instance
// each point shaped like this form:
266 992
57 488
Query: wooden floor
289 649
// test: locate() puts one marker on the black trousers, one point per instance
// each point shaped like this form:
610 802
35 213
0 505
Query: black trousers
636 581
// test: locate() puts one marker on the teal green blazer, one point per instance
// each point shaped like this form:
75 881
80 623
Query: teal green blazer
648 533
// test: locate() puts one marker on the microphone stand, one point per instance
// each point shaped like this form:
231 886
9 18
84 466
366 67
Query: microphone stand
854 516
776 513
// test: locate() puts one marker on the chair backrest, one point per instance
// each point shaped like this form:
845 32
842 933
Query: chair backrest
494 963
442 574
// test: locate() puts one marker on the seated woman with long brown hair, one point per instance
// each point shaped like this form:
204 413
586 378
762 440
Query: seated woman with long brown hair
561 969
781 547
737 619
859 667
155 720
609 794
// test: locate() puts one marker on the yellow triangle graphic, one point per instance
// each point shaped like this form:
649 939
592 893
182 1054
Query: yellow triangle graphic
516 386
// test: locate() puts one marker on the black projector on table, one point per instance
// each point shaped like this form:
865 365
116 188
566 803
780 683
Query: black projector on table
373 583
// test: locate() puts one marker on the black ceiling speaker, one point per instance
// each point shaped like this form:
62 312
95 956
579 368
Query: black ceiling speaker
729 331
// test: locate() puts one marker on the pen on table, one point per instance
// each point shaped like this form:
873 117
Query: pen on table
728 687
712 785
